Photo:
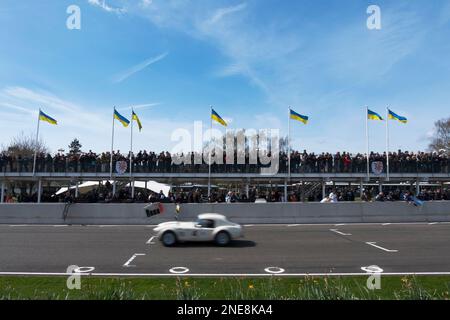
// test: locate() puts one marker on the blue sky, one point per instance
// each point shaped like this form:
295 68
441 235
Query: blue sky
250 59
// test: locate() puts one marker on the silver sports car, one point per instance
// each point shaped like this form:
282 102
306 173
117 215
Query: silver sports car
208 227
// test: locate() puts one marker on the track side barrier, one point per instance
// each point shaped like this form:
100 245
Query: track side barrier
246 213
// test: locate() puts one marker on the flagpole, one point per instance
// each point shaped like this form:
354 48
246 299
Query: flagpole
131 147
289 142
367 139
112 145
387 144
36 144
209 153
131 155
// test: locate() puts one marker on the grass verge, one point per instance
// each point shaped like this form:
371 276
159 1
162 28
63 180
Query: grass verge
273 288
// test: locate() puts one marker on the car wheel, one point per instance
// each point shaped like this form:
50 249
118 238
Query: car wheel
169 239
222 238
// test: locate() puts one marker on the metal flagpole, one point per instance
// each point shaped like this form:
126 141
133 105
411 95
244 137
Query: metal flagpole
289 142
209 156
131 156
112 145
367 139
387 143
36 144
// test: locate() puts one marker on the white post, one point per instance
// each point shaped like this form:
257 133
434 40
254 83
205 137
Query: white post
289 142
39 191
367 139
112 145
209 156
132 189
3 192
387 144
76 189
114 188
324 190
285 191
417 187
36 145
361 187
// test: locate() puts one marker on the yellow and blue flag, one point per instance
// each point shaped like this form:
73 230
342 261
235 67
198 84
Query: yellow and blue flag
124 121
392 115
135 117
47 118
297 116
373 115
215 116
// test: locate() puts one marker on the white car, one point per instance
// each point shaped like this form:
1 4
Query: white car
208 227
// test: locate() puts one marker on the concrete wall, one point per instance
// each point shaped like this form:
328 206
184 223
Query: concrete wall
343 212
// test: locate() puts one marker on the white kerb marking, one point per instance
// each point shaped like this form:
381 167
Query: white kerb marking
127 264
84 269
274 270
372 269
373 244
339 232
179 270
150 240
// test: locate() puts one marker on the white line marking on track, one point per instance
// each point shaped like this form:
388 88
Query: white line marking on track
293 225
372 269
150 240
84 269
274 270
433 223
127 264
179 270
248 225
339 232
222 274
373 244
386 224
339 224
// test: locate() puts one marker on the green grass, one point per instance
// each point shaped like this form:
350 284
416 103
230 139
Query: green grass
273 288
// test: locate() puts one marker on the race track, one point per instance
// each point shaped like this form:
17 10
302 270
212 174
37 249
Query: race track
290 249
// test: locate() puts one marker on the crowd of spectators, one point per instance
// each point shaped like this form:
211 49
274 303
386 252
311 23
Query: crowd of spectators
301 162
104 194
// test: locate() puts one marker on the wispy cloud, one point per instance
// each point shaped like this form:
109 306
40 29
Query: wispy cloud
141 106
137 68
222 12
102 4
19 105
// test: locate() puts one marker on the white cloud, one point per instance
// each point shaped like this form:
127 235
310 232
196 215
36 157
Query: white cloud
139 67
102 4
146 3
141 106
222 12
20 106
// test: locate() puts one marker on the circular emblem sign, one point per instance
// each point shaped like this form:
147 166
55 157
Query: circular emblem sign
121 167
377 167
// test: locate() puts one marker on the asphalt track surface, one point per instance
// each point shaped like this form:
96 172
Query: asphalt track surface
288 249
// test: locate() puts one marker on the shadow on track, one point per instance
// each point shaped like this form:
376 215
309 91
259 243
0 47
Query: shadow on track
233 244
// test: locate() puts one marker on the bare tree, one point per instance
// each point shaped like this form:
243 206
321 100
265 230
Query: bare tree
25 146
441 139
